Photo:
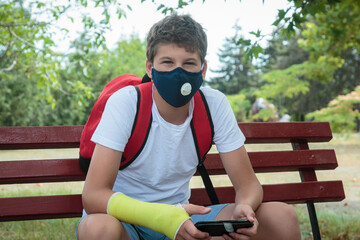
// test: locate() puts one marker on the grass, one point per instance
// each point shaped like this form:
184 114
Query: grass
56 229
338 221
334 222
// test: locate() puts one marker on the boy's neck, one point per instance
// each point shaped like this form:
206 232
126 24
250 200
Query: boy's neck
173 115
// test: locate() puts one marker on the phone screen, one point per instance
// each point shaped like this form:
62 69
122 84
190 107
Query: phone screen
218 228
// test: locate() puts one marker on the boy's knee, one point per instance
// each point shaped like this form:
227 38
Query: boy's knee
100 227
278 220
291 214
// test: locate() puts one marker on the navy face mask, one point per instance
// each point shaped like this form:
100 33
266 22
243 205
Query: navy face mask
178 86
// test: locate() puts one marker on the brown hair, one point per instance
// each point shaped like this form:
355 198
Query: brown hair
179 29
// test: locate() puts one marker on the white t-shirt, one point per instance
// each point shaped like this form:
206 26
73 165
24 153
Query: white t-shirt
162 171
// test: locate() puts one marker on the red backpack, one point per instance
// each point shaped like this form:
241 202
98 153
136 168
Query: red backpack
201 125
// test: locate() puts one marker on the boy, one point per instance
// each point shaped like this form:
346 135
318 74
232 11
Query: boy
176 49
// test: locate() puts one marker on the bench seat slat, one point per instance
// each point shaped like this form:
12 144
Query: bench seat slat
326 191
35 171
40 207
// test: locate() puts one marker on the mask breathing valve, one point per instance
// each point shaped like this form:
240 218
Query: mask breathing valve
185 89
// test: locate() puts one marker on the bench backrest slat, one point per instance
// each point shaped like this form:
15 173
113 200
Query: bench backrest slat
40 207
36 171
40 137
46 207
69 136
280 161
286 132
60 170
326 191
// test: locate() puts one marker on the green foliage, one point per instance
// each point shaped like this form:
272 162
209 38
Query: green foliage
285 83
235 74
328 68
265 115
342 112
240 106
63 86
333 31
79 80
92 72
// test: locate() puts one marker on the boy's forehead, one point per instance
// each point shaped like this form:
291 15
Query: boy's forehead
173 49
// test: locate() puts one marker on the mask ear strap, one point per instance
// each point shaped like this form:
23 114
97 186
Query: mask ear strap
145 78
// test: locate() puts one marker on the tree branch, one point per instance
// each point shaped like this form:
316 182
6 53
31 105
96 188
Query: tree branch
15 24
21 39
8 69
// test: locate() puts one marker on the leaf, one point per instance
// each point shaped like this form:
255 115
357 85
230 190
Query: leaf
257 49
256 34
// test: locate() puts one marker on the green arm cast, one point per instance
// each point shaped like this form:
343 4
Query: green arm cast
163 218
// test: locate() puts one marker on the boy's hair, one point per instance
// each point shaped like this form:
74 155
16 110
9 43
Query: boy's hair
179 29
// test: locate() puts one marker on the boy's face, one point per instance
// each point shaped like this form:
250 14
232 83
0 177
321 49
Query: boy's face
171 56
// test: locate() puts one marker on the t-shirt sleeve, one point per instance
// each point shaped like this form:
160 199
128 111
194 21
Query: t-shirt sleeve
116 122
227 134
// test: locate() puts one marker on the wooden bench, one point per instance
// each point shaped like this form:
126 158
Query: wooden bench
301 159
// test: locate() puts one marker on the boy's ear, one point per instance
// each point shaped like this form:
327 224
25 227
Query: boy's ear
148 68
204 69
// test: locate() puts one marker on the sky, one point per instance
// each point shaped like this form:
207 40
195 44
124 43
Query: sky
218 18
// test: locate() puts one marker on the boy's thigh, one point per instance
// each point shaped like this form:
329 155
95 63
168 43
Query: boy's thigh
102 226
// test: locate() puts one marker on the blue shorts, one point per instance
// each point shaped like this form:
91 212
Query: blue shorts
142 233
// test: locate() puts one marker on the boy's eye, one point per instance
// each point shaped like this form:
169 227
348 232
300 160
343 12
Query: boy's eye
167 62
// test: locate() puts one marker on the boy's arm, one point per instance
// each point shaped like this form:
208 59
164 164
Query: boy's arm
100 179
247 187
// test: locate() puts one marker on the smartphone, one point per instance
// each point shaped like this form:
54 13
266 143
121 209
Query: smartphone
218 228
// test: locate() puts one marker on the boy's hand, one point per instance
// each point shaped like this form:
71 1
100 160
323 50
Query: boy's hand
192 209
243 212
188 231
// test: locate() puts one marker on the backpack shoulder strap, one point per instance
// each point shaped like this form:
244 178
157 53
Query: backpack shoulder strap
141 126
202 128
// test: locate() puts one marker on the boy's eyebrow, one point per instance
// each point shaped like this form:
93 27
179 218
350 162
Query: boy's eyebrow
191 59
170 58
165 58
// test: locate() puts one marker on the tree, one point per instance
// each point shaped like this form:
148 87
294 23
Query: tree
234 74
27 47
21 102
309 85
343 112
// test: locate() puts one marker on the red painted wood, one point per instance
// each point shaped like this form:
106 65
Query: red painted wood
280 132
301 159
40 137
289 192
279 161
69 136
60 170
46 207
305 174
35 171
43 207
